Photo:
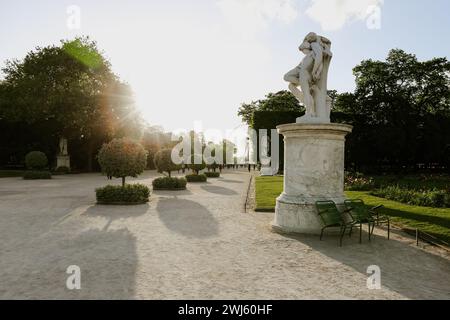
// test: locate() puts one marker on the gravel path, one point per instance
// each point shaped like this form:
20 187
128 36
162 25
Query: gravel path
194 244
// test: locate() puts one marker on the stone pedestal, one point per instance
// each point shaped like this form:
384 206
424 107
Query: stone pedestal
268 171
63 161
313 170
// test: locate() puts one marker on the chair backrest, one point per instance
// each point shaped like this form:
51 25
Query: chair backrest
357 209
329 213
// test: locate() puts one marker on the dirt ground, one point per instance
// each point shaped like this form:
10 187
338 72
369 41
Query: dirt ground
193 244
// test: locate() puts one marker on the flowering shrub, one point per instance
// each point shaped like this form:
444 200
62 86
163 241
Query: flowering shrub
357 182
426 198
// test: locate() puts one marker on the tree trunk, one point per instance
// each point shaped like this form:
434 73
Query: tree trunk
123 181
169 174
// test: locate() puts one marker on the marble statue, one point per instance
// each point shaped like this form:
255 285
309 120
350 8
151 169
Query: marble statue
314 148
63 158
311 76
63 147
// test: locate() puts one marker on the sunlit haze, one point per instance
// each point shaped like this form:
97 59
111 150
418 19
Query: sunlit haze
199 60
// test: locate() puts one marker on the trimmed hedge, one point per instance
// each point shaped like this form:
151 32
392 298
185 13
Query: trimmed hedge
426 198
36 160
169 183
62 170
11 173
129 194
212 174
34 175
196 178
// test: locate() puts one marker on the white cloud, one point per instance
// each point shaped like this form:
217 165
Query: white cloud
333 14
251 16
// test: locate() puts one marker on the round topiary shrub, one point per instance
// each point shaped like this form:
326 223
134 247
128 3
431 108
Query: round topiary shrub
196 178
36 160
169 183
122 195
212 174
163 162
122 158
34 175
197 163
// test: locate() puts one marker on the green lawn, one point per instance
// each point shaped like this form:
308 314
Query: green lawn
267 190
435 221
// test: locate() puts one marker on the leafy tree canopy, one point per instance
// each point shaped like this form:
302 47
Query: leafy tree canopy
163 161
400 111
72 85
280 101
387 91
122 158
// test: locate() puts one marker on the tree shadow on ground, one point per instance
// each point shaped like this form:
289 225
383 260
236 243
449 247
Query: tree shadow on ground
219 190
107 262
172 192
410 271
112 212
230 180
187 218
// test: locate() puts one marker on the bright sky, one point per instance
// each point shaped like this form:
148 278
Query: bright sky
199 60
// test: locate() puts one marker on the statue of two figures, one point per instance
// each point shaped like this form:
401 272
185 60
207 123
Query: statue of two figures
311 76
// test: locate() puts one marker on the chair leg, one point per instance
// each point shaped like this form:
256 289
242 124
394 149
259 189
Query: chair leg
360 233
368 227
389 229
321 234
350 233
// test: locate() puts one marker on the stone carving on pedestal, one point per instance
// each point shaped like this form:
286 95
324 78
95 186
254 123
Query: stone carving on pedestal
63 147
314 147
63 158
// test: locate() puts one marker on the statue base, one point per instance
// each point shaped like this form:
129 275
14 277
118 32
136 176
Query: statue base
63 161
268 171
316 120
313 171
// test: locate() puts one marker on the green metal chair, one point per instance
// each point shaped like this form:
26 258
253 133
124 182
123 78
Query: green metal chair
360 211
360 215
332 217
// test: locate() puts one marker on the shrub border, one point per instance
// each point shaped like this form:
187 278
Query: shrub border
169 189
196 181
213 176
115 203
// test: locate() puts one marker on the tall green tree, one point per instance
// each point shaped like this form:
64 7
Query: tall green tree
280 101
71 87
400 110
